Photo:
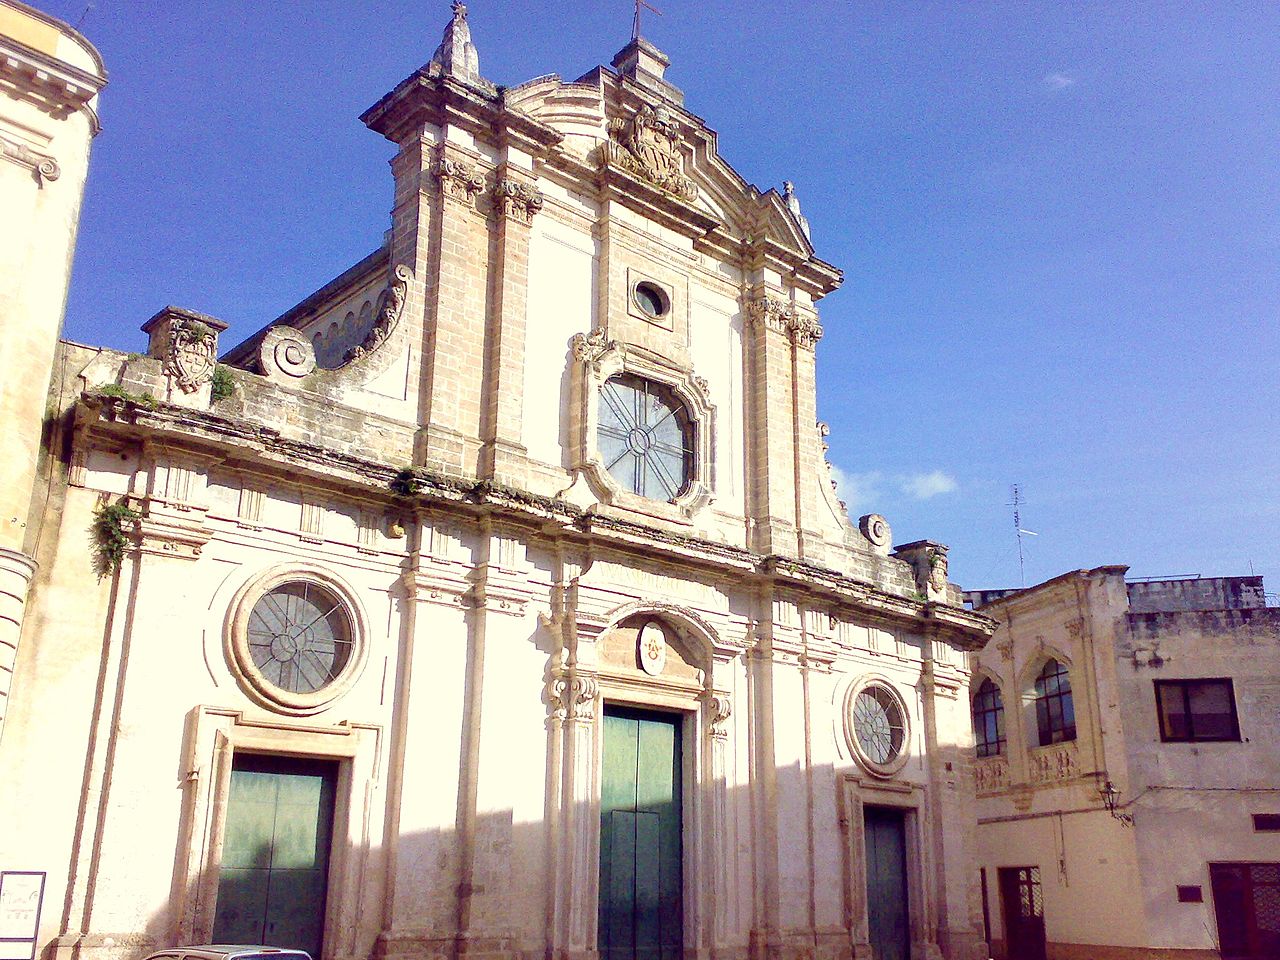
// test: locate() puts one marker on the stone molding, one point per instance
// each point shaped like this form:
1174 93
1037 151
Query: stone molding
44 167
59 87
781 316
599 358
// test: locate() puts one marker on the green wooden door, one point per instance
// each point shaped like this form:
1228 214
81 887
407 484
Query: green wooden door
640 885
275 853
886 843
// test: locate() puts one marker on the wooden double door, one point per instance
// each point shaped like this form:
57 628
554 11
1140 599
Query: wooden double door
888 915
641 888
1246 902
275 853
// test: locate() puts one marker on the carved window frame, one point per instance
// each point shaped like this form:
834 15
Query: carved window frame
240 658
596 364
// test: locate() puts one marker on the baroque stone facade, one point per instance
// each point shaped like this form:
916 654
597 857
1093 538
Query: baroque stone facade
540 471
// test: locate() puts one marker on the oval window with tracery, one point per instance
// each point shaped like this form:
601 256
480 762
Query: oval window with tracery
300 637
645 437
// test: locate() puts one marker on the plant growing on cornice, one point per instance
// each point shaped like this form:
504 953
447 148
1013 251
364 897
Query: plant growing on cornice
110 539
222 384
406 483
191 330
140 399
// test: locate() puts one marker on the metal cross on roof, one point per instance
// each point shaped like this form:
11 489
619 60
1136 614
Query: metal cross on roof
635 24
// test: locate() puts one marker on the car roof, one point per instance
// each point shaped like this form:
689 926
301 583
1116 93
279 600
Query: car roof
227 951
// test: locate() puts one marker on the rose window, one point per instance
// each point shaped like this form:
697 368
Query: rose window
300 637
879 724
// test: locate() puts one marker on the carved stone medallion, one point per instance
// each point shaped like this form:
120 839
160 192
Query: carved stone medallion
651 648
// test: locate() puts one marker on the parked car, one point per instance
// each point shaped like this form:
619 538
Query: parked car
229 952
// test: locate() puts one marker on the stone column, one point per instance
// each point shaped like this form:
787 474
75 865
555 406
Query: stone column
16 571
457 279
423 869
770 418
516 200
810 470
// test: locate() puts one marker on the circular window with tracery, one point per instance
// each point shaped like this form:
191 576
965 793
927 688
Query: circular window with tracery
877 727
296 640
645 437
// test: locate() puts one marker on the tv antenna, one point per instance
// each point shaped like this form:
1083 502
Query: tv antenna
1016 502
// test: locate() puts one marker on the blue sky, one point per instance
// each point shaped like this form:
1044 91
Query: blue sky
1059 223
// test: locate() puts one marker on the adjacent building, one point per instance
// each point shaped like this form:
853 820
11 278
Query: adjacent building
1127 774
495 600
49 82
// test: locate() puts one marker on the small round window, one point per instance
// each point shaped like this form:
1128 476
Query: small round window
300 637
651 300
645 437
877 729
295 639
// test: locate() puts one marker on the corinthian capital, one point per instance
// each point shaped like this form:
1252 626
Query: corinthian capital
805 330
518 200
773 312
459 180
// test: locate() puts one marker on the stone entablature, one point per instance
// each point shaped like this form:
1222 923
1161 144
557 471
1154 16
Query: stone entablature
121 418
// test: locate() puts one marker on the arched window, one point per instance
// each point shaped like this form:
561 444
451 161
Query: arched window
988 720
645 437
1055 713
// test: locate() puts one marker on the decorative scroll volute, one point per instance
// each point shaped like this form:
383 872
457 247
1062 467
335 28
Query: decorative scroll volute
573 697
719 709
388 318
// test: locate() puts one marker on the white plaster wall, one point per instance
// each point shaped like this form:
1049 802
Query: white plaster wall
1088 876
562 302
715 346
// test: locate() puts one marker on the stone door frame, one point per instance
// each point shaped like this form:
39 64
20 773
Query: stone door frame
215 735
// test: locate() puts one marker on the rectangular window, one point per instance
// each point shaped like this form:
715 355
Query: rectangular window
1266 822
1193 710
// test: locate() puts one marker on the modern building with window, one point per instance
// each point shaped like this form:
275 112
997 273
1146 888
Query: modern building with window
1127 772
494 601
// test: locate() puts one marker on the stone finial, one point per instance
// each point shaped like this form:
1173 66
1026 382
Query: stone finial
793 204
457 56
928 560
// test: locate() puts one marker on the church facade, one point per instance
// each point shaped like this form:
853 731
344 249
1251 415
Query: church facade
495 600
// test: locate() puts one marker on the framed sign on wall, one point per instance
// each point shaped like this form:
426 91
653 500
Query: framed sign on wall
21 896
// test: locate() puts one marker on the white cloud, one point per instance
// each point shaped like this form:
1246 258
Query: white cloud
922 486
1059 81
857 490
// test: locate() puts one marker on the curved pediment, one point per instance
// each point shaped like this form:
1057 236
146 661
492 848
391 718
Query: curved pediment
650 153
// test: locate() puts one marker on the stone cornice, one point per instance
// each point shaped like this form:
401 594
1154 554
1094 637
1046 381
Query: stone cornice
424 99
59 86
556 519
